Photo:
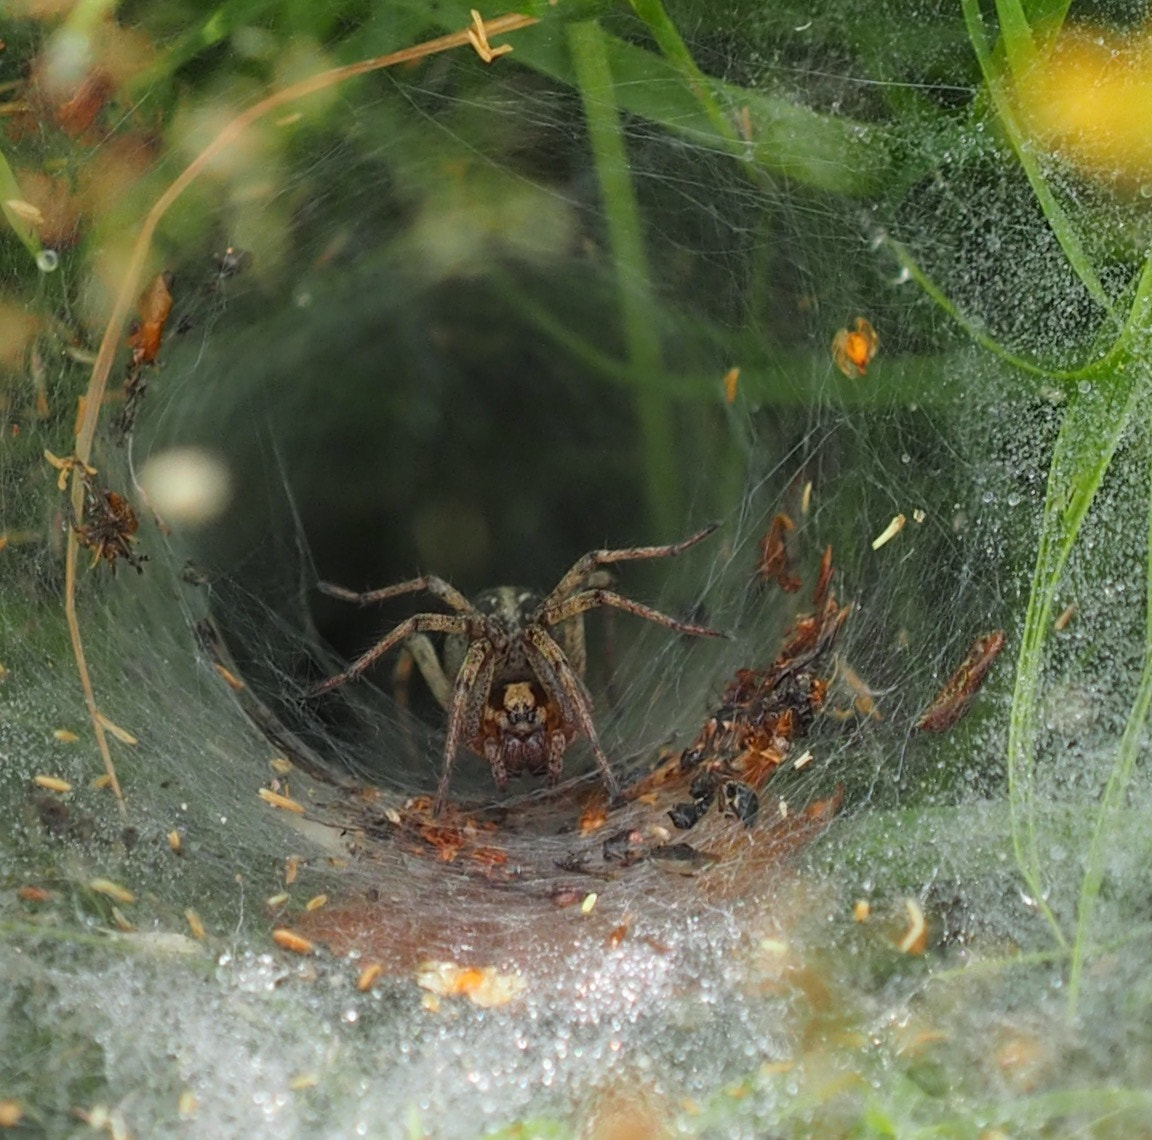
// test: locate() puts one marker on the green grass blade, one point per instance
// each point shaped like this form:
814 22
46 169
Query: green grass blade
1092 429
1016 36
1058 220
626 235
827 152
667 36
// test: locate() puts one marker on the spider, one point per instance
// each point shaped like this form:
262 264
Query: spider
518 698
112 530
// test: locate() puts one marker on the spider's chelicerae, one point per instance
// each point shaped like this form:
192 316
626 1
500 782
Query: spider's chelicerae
512 677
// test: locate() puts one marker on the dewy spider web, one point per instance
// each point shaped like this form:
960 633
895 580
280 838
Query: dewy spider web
461 340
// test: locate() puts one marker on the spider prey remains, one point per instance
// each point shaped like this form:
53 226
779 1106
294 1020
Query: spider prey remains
518 698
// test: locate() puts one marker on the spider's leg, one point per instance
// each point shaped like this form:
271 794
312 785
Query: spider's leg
401 676
557 746
570 634
419 623
437 587
495 758
584 566
553 670
470 681
423 653
565 609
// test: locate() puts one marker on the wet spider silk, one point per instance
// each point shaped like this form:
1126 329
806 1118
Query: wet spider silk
440 349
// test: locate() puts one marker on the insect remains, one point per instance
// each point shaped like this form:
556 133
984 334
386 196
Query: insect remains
109 523
853 350
511 678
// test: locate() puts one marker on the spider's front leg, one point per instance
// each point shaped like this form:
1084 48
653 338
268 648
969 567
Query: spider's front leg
468 697
581 569
459 624
437 587
551 666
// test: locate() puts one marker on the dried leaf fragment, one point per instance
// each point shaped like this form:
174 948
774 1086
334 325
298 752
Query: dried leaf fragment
484 986
953 700
369 976
595 817
121 734
111 890
775 563
65 466
889 532
154 308
233 682
289 940
916 937
478 38
284 803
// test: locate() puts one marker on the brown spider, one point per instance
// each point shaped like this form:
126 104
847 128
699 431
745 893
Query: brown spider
518 699
110 529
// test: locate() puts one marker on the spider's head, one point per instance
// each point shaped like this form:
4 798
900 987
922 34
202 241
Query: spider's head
520 713
510 607
520 740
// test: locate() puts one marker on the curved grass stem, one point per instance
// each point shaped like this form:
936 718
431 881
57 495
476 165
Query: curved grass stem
130 287
1092 429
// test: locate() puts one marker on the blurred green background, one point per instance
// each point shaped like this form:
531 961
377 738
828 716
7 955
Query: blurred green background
475 318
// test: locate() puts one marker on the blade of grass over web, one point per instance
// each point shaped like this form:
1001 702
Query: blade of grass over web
1016 36
675 50
1113 799
1026 29
9 193
1093 426
626 237
912 267
1047 15
827 152
1058 220
1043 19
130 287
